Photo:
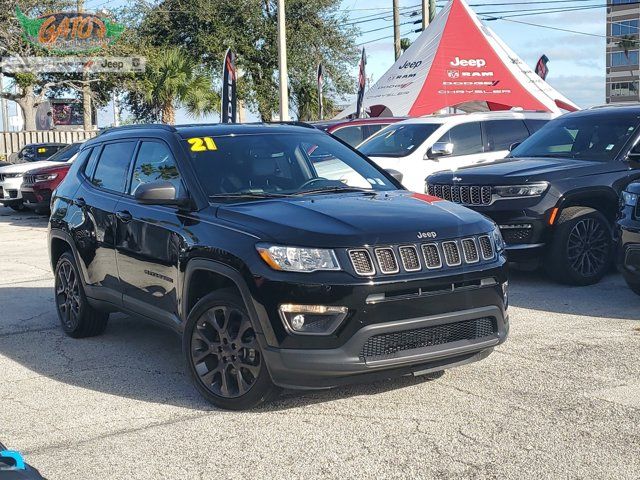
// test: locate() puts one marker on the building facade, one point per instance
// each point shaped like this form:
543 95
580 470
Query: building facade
623 69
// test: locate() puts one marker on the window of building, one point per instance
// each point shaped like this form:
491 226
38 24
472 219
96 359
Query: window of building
624 27
624 89
620 59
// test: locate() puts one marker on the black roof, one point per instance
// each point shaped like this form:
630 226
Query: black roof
46 144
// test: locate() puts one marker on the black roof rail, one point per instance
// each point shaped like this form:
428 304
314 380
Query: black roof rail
124 128
277 122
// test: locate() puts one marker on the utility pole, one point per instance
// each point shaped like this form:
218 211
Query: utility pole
425 14
3 106
282 63
87 109
396 28
116 110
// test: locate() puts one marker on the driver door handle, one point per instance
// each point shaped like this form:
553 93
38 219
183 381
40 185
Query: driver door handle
124 216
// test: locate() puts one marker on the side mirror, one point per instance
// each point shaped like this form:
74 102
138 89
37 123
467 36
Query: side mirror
634 157
395 174
513 146
439 149
160 193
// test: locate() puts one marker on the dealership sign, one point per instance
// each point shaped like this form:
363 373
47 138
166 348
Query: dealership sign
69 32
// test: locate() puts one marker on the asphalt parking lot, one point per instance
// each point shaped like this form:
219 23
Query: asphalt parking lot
560 399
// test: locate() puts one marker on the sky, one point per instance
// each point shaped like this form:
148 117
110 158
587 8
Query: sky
577 61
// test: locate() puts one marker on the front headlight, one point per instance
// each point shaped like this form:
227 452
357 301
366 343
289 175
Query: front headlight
298 259
629 199
498 241
530 190
46 177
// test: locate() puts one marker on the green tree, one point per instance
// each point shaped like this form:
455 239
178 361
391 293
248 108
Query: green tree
173 79
204 29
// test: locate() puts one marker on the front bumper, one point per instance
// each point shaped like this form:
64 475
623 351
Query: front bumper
10 190
36 198
629 254
317 369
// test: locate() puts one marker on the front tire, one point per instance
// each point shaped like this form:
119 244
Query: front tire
223 355
77 317
581 252
634 286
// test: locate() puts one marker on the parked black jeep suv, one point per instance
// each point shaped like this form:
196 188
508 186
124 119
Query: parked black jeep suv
629 222
555 197
281 255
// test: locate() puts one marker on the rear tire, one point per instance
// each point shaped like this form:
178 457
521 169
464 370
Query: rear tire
582 249
223 355
77 317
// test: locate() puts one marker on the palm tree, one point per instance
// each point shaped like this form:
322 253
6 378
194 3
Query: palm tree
174 79
627 43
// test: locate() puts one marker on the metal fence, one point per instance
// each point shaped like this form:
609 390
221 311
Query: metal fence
12 142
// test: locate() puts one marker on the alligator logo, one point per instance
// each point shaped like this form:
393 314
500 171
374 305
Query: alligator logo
69 32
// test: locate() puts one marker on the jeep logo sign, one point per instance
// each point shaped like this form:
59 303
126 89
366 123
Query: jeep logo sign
471 62
411 65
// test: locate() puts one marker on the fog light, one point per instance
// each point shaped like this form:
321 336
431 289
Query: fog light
312 319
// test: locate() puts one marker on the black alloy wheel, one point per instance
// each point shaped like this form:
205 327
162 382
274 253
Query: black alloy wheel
588 247
68 298
223 353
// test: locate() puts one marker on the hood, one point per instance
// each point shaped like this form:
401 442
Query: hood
25 167
349 220
514 170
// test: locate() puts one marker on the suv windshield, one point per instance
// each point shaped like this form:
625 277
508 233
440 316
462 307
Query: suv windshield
398 140
583 137
269 164
65 154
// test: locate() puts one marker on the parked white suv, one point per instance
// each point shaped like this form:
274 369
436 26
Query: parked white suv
421 146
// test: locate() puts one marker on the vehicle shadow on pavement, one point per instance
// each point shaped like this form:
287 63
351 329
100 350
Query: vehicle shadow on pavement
611 298
133 358
24 218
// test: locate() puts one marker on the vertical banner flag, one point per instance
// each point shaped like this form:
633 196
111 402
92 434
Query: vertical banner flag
229 98
541 67
362 81
320 85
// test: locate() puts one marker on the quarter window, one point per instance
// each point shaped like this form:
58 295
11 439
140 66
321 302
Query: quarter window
111 172
501 134
466 139
352 135
154 163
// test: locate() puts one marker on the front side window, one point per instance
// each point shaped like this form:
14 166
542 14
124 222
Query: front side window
501 134
265 164
584 137
154 163
113 166
398 140
466 139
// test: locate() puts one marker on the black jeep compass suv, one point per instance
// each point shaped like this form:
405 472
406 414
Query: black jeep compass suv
555 197
282 257
629 223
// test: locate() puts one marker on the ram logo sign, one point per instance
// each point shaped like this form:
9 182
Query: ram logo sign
69 32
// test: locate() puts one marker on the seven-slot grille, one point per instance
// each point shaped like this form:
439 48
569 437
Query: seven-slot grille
390 345
430 256
29 180
464 194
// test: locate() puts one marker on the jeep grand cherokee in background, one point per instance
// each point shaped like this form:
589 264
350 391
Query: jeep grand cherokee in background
555 197
272 273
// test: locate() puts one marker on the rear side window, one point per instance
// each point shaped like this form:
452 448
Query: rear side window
154 163
535 125
90 167
352 135
501 134
466 139
111 172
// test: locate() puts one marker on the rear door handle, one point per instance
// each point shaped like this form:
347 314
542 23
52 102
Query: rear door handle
124 216
80 202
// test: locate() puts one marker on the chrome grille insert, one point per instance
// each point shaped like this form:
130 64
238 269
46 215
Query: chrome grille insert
431 256
486 247
470 250
361 261
451 254
387 261
410 258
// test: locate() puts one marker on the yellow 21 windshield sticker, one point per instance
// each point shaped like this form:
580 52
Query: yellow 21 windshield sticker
202 144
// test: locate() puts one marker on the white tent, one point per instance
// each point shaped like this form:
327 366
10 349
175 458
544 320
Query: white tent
459 62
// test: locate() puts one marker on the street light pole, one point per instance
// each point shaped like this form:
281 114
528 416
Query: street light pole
396 29
282 63
425 14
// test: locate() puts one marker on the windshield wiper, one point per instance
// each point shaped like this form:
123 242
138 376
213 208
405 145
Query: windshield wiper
252 195
333 189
